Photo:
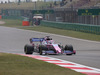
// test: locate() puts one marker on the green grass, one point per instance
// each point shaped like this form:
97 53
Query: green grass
11 64
70 33
12 23
76 34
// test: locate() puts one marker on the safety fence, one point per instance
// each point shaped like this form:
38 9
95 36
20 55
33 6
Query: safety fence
15 14
73 26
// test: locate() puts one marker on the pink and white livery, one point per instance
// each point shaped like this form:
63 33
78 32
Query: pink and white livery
47 46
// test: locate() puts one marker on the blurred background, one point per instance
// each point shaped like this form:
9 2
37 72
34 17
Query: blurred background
83 12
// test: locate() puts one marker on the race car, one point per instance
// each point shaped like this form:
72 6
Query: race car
47 46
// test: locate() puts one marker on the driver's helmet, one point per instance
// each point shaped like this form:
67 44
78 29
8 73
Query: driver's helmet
48 38
49 42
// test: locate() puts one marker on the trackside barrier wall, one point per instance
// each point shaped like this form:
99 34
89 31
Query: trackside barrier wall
0 16
25 22
95 29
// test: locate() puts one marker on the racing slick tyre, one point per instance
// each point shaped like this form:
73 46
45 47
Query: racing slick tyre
69 48
28 49
42 48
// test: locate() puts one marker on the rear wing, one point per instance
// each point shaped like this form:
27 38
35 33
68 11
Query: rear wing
36 39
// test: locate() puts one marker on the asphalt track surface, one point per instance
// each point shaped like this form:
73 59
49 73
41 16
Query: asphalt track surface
12 40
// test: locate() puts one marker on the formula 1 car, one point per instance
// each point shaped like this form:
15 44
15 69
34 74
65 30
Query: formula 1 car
47 46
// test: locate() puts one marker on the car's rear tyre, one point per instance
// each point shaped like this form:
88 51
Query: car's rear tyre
68 47
28 49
